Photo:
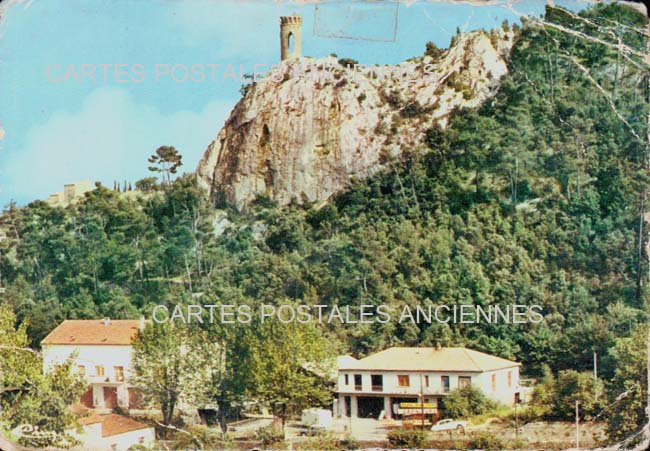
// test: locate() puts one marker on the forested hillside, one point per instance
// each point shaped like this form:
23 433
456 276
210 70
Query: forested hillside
538 197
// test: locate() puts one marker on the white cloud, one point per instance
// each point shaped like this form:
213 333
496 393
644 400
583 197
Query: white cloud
108 139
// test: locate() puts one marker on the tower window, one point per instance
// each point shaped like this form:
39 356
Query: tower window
290 42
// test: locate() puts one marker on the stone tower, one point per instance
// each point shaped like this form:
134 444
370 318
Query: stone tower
290 37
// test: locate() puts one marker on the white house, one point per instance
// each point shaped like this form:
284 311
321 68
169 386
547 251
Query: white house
390 378
103 354
113 433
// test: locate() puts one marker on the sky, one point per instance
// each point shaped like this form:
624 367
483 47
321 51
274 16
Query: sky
90 88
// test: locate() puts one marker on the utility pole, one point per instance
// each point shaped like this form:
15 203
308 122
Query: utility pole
577 426
647 409
516 422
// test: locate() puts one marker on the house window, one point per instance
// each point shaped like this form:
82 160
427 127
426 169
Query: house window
82 370
141 440
464 381
509 379
403 380
444 382
494 382
377 382
347 379
99 370
357 382
426 381
114 447
119 373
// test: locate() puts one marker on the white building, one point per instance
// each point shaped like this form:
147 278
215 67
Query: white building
72 193
383 381
113 433
103 354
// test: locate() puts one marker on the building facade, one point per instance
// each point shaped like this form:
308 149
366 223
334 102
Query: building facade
103 355
397 377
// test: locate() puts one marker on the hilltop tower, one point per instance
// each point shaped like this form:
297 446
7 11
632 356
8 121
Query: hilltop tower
290 37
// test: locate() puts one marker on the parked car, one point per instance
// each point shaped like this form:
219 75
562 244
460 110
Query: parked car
449 425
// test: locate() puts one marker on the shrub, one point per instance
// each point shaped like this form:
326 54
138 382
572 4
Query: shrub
348 62
413 109
392 98
466 402
486 441
325 441
432 50
407 438
555 397
199 436
348 442
328 441
269 435
147 184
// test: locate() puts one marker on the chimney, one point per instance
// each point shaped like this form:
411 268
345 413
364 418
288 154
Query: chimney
141 323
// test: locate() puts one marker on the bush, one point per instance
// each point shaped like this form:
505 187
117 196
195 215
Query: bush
413 109
466 402
407 438
328 441
486 441
269 435
147 184
325 441
555 397
348 442
432 50
348 62
199 436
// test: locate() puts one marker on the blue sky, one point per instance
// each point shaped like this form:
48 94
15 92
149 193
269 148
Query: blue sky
59 130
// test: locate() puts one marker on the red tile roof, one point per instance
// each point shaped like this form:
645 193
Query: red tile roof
93 332
429 359
113 424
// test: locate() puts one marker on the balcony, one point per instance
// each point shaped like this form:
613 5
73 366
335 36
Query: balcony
105 379
378 388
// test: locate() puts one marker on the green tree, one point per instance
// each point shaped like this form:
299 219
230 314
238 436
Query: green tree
167 370
572 386
27 396
147 184
286 366
166 160
629 391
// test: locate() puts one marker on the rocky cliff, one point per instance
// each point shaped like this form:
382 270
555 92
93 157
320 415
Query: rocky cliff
314 125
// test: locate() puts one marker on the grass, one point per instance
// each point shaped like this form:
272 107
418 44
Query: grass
501 412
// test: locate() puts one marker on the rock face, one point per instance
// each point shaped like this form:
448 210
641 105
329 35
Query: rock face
312 126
